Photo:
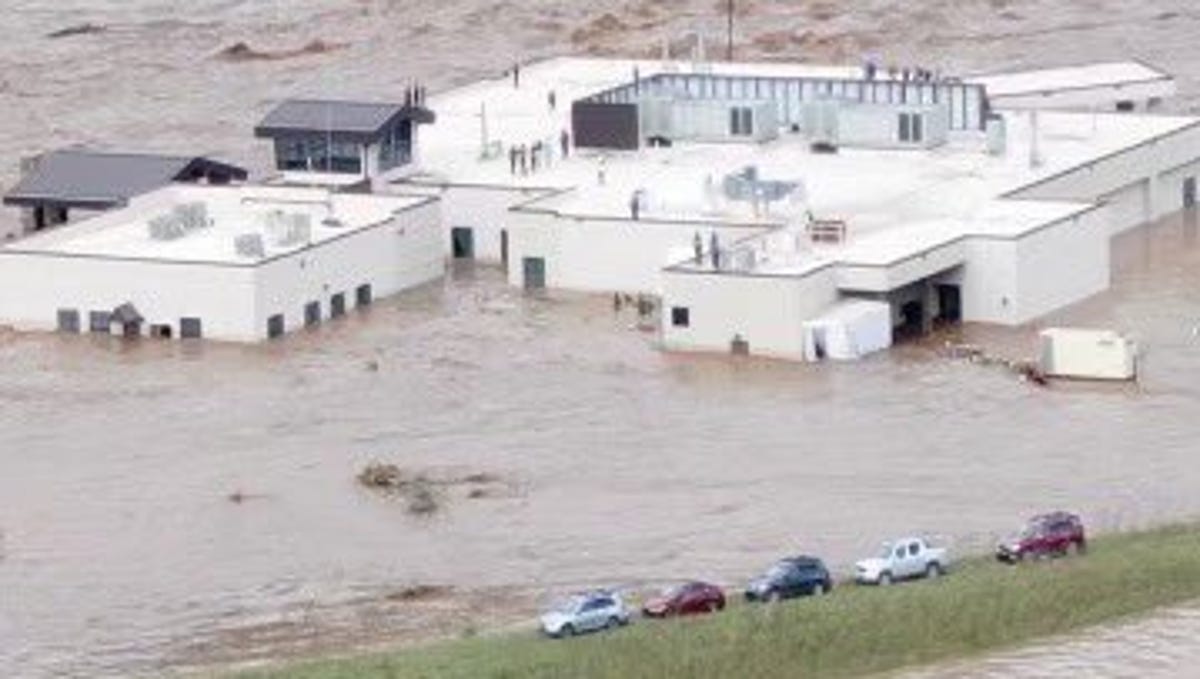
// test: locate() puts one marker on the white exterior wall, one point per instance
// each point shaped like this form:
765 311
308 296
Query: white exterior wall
40 284
1151 174
878 126
483 209
768 312
1014 281
1062 264
403 253
606 255
233 301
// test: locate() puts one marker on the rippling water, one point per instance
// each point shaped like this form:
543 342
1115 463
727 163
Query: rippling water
615 464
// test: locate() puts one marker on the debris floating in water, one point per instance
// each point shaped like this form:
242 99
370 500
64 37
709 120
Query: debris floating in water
77 29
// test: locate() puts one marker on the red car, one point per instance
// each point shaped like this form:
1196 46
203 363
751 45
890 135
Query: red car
686 599
1055 534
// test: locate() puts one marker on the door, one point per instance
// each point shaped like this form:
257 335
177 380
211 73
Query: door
593 614
900 561
1189 193
504 247
462 241
913 565
949 303
535 273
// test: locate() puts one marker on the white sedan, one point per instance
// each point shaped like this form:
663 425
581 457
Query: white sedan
587 612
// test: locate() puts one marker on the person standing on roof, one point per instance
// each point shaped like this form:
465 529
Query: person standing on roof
552 99
715 247
516 73
564 140
512 160
698 248
602 172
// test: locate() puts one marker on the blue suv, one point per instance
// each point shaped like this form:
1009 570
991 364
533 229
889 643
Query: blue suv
792 577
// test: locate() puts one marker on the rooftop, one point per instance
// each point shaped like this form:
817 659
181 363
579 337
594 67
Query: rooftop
365 120
203 224
101 179
894 202
1119 73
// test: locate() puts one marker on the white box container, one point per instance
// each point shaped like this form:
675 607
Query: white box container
1088 354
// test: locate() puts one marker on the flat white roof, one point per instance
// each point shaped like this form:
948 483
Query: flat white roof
231 212
895 202
1087 76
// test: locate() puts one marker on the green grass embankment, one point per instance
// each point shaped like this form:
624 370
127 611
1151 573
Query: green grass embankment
855 631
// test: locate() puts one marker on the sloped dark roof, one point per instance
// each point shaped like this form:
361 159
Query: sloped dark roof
363 121
100 180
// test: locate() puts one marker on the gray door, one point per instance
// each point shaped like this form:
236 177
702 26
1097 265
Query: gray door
535 273
1189 192
275 326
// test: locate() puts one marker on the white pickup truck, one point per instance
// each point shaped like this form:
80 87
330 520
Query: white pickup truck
901 560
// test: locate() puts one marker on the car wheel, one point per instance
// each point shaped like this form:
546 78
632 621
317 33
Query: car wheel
1078 548
885 579
933 570
819 590
774 596
567 630
613 623
711 607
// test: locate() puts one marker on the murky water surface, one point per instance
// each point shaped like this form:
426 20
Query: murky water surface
164 505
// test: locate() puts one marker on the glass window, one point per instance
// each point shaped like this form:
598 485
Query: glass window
900 552
914 549
918 132
905 127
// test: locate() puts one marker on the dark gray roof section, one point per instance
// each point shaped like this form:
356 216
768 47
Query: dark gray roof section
359 121
101 180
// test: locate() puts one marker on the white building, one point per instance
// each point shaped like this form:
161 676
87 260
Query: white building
933 196
236 263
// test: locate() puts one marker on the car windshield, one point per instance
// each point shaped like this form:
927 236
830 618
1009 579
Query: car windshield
673 591
885 551
779 571
565 605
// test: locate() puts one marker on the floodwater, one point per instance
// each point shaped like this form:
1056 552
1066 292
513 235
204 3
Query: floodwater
168 506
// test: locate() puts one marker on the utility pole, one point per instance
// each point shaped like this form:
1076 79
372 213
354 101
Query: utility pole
729 45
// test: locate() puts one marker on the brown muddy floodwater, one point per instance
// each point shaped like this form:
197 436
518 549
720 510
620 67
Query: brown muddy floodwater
167 506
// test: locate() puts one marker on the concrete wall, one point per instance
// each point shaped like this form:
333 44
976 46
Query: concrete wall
878 126
1062 264
767 311
483 209
37 285
233 301
405 252
606 255
1014 281
1151 174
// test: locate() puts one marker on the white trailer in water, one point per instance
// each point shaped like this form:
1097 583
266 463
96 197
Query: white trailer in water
848 331
1088 354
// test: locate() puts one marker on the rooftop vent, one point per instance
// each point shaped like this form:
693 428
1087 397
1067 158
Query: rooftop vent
249 245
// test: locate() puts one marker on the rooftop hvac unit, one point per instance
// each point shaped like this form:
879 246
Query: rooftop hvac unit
249 245
179 222
286 229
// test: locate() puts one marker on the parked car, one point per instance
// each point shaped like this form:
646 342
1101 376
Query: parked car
791 577
585 612
1054 534
686 599
901 560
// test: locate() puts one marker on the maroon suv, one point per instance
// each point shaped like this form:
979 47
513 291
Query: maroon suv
686 599
1055 534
